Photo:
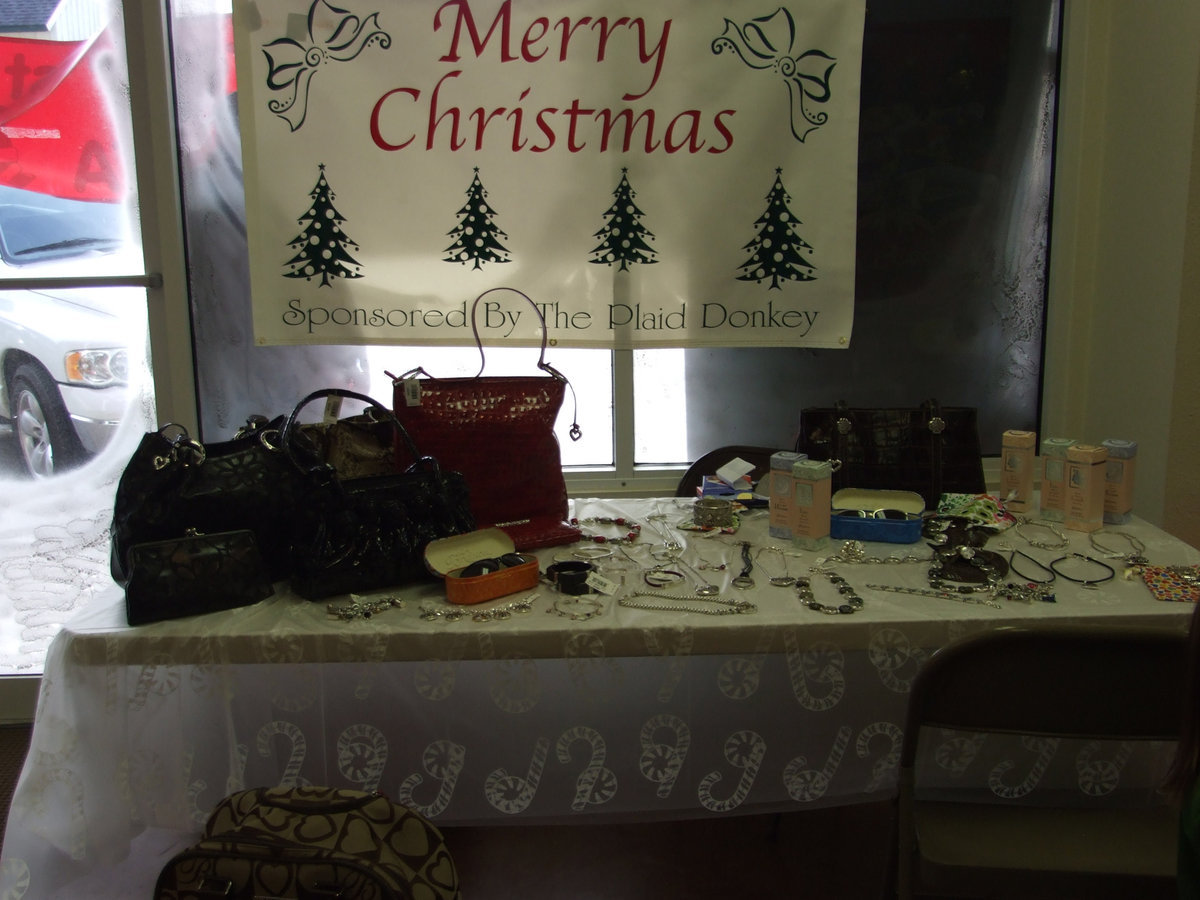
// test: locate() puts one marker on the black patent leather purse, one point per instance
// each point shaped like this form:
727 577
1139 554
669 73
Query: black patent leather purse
356 534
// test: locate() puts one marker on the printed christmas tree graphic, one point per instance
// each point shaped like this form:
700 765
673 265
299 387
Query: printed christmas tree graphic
622 237
475 236
777 252
321 245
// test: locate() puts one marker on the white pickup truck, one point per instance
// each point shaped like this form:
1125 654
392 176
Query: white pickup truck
65 353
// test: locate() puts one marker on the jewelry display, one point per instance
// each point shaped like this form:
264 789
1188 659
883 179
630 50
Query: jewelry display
784 580
1012 567
966 570
592 553
712 512
856 552
742 581
704 587
957 596
851 602
705 606
629 537
1086 582
943 531
1043 544
569 577
491 614
671 545
358 608
661 577
1035 592
1134 556
577 609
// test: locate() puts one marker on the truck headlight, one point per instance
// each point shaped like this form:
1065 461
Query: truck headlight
98 368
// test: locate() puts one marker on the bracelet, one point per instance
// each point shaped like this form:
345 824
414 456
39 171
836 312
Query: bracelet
592 607
1086 582
852 602
652 601
570 577
660 577
359 608
958 597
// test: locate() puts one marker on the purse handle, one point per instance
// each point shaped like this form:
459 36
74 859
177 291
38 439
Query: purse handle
575 432
287 432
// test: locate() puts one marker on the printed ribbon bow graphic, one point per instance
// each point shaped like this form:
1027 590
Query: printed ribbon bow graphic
767 43
333 34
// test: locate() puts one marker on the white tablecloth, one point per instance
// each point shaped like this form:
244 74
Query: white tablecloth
632 714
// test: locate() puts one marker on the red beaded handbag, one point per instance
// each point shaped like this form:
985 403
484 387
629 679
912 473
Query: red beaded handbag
498 431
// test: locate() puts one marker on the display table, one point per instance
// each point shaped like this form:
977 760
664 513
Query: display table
537 717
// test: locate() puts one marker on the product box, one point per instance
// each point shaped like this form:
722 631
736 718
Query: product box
1054 477
780 522
1016 470
448 558
1118 481
1084 510
845 523
812 481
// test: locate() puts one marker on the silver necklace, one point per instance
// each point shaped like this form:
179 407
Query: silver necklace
1062 543
1136 555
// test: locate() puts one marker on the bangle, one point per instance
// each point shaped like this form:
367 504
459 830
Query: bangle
659 577
1086 582
570 577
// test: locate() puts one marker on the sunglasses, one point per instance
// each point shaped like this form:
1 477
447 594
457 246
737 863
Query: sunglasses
487 566
897 514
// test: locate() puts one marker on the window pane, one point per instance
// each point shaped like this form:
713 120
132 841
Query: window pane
77 395
955 157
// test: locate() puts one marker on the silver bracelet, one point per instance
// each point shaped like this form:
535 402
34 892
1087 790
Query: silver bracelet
578 608
941 595
705 606
359 608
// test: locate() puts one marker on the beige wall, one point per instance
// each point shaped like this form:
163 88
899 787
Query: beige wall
1123 317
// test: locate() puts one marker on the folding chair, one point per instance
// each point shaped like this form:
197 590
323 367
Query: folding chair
1072 683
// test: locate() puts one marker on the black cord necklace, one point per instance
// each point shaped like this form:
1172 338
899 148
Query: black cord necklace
1012 567
1086 582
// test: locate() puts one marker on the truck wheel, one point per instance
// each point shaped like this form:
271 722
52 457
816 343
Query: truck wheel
45 436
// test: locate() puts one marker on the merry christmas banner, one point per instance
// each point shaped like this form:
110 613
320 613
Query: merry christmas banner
675 173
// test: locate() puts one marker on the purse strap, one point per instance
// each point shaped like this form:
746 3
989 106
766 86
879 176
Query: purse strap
575 432
287 433
937 426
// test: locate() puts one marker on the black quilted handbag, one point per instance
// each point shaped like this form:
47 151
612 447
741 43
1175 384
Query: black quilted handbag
312 843
928 449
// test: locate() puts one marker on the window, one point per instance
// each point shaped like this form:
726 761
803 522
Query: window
955 160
